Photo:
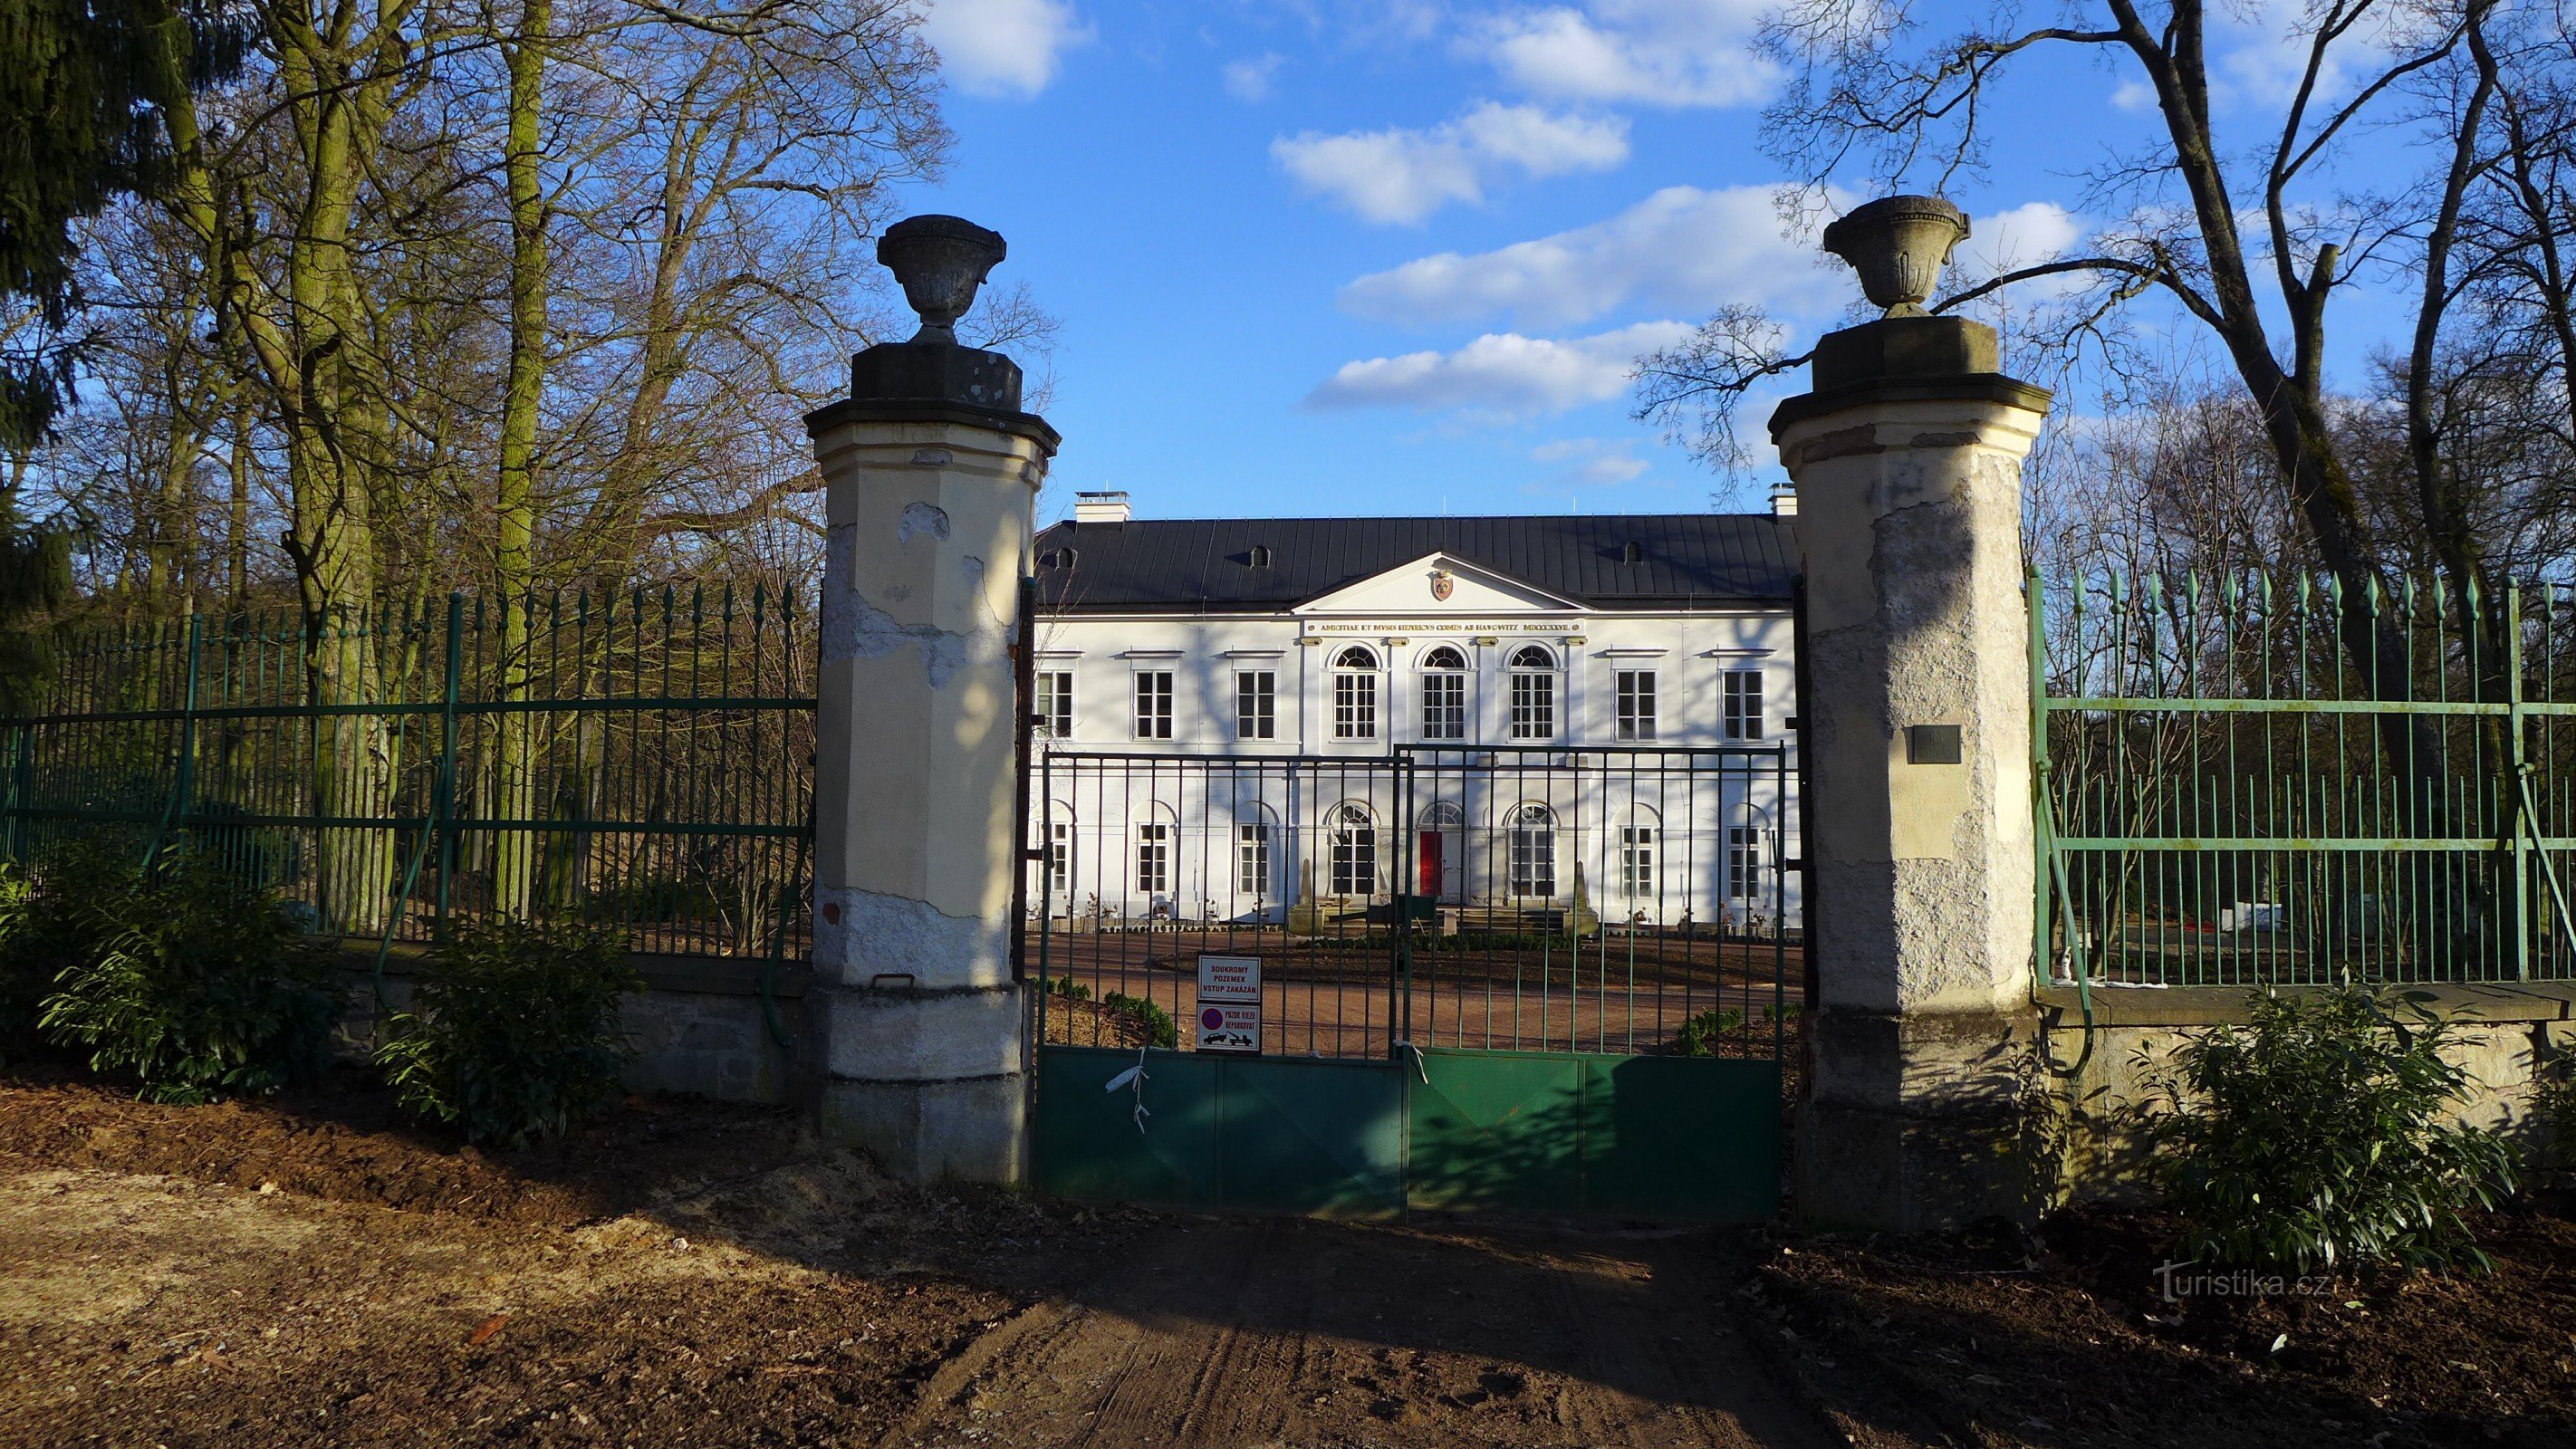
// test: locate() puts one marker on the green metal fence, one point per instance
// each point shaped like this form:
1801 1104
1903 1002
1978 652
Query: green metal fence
640 759
2258 779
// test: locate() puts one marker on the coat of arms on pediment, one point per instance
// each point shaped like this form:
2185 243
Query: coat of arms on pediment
1443 584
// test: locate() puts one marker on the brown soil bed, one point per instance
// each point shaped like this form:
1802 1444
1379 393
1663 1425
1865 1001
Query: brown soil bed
2066 1338
309 1271
341 1138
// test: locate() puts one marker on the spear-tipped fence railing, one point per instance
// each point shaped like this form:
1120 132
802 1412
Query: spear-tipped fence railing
640 759
2231 793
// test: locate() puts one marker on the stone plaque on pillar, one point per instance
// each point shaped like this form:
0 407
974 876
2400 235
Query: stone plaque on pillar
916 1031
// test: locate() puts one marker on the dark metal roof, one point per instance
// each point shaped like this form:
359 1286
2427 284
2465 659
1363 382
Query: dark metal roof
1205 565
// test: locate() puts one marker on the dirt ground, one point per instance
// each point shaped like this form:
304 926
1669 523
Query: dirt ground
309 1270
2067 1338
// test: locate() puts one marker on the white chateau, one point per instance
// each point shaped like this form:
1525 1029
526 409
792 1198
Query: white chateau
1602 700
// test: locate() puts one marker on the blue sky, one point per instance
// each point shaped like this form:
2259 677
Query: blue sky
1325 258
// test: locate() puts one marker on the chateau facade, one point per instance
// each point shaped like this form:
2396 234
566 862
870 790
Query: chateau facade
1591 707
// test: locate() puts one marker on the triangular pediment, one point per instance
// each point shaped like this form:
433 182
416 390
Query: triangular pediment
1437 584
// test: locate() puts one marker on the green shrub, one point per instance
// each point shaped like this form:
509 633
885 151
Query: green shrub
2553 1107
1157 1024
51 918
1701 1034
2319 1136
1066 987
196 982
512 1033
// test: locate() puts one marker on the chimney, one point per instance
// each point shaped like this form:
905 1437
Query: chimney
1784 501
1108 507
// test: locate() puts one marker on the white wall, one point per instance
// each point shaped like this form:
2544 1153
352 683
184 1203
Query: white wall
1689 653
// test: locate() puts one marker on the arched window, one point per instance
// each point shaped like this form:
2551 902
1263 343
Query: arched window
1355 694
1533 672
1444 694
1639 841
1260 557
1353 834
1533 851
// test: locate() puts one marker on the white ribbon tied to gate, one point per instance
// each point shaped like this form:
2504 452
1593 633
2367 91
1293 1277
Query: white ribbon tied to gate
1135 1076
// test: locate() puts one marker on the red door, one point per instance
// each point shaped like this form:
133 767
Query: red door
1430 857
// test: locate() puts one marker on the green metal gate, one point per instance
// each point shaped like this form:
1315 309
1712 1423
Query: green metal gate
1549 980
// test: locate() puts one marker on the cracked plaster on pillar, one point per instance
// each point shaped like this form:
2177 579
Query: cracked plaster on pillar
889 935
853 628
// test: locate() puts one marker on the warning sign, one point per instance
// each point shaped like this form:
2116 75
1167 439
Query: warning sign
1230 1004
1230 978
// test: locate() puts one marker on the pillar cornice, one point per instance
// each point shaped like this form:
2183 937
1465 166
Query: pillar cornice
914 410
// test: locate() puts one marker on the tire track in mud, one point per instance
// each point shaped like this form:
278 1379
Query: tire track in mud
1286 1334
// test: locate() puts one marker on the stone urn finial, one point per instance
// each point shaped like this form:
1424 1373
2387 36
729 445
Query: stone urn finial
1897 244
940 260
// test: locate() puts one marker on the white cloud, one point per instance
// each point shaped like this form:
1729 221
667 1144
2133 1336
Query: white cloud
1597 462
1502 373
1683 249
1405 175
2133 95
2031 233
1249 80
1647 52
1001 47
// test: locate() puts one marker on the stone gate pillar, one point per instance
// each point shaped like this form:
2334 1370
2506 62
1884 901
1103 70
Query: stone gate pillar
1907 459
915 1032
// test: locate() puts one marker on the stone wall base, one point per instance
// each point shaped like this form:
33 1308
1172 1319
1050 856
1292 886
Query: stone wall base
972 1130
699 1027
2504 1037
1914 1123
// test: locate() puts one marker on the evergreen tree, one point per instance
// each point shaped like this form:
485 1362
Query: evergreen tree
83 84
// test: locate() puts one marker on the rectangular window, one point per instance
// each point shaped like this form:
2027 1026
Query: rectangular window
1059 856
1745 861
1256 705
1153 705
1637 860
1252 861
1533 705
1636 704
1153 859
1743 700
1444 706
1055 703
1354 706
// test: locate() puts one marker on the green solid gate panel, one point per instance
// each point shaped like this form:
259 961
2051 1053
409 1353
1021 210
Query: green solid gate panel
1283 1135
1088 1144
1665 1137
1311 1136
1686 1137
1497 1130
1695 1137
